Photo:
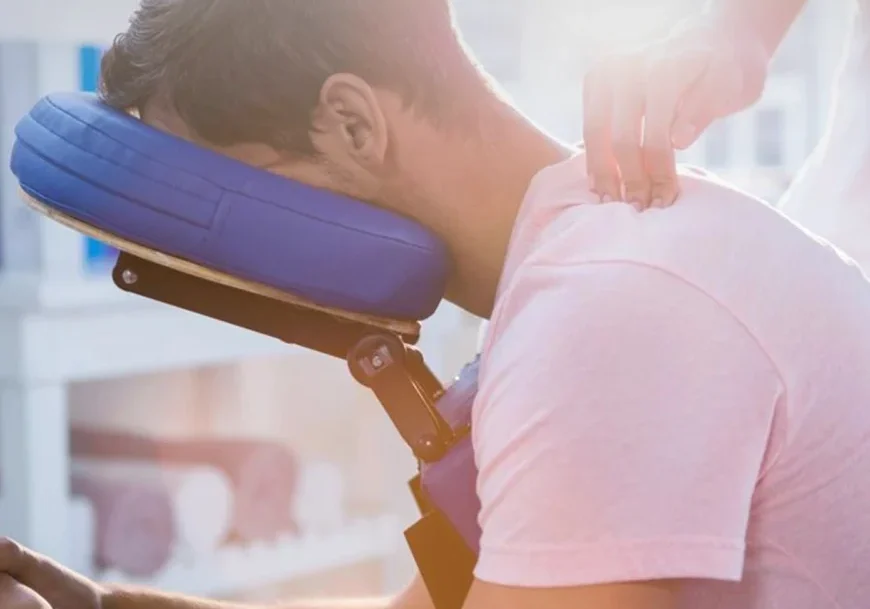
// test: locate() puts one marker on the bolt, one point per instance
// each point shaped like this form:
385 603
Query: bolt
429 448
129 277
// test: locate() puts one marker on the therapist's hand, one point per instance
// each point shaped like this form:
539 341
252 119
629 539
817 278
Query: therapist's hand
17 596
641 106
60 587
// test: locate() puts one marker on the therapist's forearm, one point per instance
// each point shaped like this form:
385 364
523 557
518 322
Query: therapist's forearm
367 603
138 599
415 596
770 20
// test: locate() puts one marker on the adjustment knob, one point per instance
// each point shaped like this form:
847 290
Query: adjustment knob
374 354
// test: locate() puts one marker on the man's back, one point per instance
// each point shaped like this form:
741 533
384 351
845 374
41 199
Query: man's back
773 368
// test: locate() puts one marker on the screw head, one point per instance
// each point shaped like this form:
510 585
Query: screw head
129 277
429 448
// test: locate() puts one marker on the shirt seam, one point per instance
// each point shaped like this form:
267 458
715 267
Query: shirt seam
720 543
604 562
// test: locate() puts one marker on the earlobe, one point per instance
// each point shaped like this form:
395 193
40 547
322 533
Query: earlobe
350 109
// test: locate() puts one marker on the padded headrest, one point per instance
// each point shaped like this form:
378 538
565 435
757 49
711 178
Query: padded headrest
109 170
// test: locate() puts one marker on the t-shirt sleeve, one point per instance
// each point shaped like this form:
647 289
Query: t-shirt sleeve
620 429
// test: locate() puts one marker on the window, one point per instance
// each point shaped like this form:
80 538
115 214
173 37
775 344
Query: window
494 32
769 137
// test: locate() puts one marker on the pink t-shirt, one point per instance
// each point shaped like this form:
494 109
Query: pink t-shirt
682 393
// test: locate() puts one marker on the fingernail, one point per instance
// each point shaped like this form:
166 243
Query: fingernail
606 199
657 202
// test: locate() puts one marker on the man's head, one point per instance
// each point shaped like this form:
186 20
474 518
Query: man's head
327 91
376 99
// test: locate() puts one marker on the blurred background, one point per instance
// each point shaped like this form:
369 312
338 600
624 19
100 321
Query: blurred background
143 444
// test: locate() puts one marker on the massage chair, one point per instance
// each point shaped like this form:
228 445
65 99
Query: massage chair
205 233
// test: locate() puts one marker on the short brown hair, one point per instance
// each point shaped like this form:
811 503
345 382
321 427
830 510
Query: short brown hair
239 71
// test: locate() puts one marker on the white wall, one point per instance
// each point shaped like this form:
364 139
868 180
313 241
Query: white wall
93 21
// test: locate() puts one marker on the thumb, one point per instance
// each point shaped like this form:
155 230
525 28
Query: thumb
722 91
47 577
686 132
25 566
697 112
14 559
19 595
28 567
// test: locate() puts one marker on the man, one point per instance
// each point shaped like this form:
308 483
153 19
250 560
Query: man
672 407
642 106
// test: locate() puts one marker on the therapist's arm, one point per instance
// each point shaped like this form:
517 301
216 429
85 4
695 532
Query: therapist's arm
138 599
414 597
769 19
65 589
641 107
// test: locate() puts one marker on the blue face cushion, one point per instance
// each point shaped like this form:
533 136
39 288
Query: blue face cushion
109 170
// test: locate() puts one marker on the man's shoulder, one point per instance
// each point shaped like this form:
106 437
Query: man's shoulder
562 218
721 242
697 240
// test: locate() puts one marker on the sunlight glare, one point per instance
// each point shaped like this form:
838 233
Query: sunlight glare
617 25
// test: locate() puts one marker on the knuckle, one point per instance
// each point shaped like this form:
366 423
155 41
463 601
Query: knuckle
8 545
661 182
634 181
11 552
637 186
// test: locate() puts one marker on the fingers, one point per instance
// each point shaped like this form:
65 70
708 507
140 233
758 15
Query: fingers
701 106
616 109
601 163
674 79
25 566
13 558
658 152
718 93
14 595
638 110
7 583
629 103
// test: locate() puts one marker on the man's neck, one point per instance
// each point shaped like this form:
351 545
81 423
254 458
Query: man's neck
489 181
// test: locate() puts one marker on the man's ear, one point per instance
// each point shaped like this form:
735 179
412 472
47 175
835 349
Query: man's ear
350 116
